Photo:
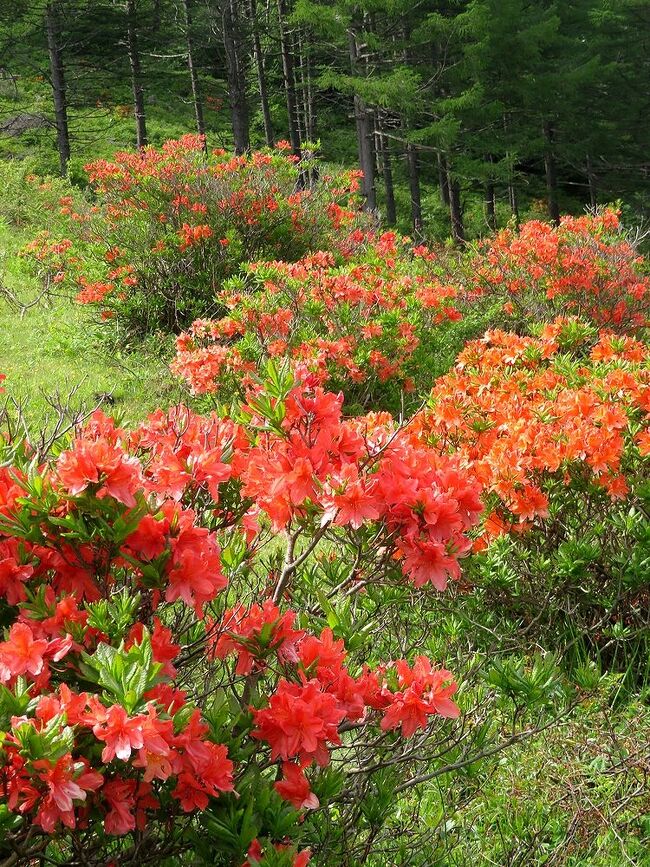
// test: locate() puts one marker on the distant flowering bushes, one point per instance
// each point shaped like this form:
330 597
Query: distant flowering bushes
169 225
356 323
166 594
571 405
585 267
237 255
368 321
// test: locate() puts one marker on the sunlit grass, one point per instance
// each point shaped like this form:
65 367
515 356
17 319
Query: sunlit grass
46 349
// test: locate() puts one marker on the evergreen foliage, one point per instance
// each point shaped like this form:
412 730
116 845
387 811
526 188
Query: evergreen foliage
460 113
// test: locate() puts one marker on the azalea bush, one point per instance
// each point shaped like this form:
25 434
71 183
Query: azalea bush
374 326
190 610
379 324
167 226
587 266
571 404
557 429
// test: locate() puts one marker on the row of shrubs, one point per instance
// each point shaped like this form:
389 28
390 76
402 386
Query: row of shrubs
243 635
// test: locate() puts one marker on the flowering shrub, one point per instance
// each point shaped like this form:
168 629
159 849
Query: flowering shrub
170 225
174 675
357 324
587 266
557 429
570 404
366 324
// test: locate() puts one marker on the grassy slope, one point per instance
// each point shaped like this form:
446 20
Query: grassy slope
48 350
573 796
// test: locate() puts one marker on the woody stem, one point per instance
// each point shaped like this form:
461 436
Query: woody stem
290 565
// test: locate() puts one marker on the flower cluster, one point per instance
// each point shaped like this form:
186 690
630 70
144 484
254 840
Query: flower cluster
42 777
355 323
193 235
519 409
586 266
348 473
301 721
116 560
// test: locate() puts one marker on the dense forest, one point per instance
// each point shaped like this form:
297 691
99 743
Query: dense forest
461 114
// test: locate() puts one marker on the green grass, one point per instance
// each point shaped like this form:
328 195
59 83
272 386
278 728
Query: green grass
51 348
574 796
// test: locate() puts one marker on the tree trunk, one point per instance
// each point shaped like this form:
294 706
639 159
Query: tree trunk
301 76
490 198
442 179
490 207
307 108
295 46
261 76
456 210
365 136
136 74
58 86
490 201
156 18
512 189
387 172
236 74
310 96
196 90
591 179
414 186
289 80
551 174
514 201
